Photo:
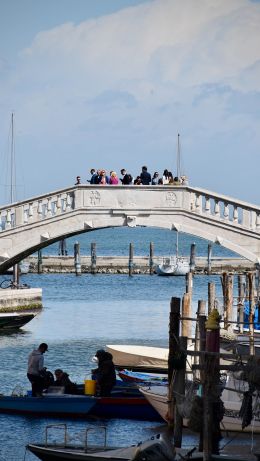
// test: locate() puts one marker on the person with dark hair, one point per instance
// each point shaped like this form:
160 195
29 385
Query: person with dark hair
78 181
155 178
145 176
127 178
105 374
36 369
62 380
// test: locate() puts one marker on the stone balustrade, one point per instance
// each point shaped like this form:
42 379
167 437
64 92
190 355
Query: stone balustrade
29 225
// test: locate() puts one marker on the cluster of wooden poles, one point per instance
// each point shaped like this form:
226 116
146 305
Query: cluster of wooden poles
206 352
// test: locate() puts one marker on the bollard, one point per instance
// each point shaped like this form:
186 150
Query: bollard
39 268
151 264
131 259
93 258
192 256
77 258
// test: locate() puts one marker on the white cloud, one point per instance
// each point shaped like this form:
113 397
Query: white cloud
130 81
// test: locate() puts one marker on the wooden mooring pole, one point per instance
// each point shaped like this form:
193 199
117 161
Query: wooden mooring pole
227 288
240 302
192 257
209 257
77 258
211 296
251 287
131 259
174 333
200 328
179 391
39 263
93 252
151 263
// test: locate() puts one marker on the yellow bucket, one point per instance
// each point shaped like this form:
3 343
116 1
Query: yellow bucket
90 386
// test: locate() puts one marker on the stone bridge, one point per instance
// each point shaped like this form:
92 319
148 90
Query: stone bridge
30 225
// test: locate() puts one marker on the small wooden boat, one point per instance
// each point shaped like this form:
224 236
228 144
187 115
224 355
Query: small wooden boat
158 447
14 320
145 358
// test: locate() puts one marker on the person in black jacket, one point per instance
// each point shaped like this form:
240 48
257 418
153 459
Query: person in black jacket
145 176
105 374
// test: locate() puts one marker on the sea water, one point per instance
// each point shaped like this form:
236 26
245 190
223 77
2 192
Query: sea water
83 314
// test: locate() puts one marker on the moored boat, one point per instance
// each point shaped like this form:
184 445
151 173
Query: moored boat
139 357
158 447
14 320
138 377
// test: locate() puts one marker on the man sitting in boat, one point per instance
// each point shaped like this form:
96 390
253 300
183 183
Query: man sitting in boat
62 380
105 374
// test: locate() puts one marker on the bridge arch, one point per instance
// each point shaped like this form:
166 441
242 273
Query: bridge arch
36 223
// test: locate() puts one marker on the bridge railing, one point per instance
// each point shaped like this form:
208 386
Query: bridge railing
226 209
199 201
36 209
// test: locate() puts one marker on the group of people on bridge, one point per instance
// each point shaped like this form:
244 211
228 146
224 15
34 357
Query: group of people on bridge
41 379
100 177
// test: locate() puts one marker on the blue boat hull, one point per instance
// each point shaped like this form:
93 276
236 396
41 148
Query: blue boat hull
48 405
129 407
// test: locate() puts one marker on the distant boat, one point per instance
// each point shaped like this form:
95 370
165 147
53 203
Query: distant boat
24 267
14 320
174 265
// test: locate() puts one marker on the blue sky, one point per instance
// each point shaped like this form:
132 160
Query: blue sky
110 83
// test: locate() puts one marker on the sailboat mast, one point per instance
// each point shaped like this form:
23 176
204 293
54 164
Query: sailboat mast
12 161
178 158
177 243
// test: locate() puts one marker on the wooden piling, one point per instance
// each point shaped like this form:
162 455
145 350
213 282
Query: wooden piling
93 253
63 248
189 283
211 296
179 393
200 326
227 288
240 302
151 263
209 257
77 258
39 262
131 259
186 313
251 287
211 393
174 333
192 257
16 274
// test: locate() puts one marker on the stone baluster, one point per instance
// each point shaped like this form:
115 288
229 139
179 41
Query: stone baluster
1 223
54 211
198 203
257 222
235 215
207 205
217 208
68 202
25 216
49 212
226 211
8 223
58 205
30 212
39 210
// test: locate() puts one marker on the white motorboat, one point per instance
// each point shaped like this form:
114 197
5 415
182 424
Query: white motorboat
139 357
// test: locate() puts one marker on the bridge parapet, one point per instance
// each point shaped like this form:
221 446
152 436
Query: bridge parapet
31 224
194 200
